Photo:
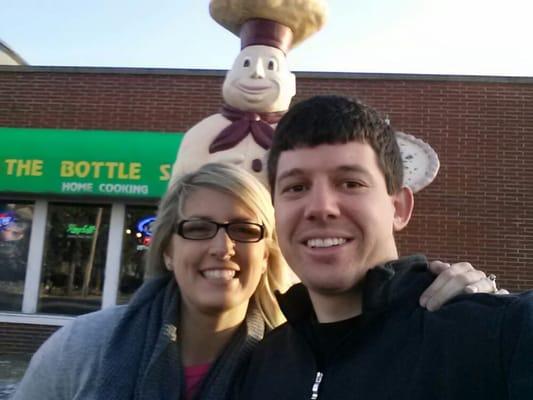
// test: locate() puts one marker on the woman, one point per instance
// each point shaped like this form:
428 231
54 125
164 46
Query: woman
215 265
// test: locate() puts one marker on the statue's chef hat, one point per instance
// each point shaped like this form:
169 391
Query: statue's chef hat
277 23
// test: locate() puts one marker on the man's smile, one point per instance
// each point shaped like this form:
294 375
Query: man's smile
325 242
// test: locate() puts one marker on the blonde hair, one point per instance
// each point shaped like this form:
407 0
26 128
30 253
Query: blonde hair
230 179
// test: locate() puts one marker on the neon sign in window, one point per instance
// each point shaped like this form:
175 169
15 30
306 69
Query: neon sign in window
6 219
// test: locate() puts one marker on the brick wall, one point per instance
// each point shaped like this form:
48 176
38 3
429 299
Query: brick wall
480 208
23 338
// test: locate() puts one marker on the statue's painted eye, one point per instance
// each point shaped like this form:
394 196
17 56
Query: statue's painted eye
246 63
272 65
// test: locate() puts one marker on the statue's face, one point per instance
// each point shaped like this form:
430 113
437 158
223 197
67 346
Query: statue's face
259 80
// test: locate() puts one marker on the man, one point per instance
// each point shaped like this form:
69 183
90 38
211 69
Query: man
356 330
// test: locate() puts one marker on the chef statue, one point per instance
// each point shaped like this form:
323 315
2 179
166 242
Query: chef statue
258 89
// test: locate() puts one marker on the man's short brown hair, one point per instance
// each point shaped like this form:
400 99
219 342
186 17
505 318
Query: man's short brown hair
333 120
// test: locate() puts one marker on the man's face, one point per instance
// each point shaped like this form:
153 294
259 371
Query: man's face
259 81
334 217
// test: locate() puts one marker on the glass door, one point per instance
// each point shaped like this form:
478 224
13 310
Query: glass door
74 258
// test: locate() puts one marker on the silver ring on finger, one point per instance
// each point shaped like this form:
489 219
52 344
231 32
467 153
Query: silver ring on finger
492 278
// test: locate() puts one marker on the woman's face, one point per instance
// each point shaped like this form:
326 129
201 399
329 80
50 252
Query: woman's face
219 274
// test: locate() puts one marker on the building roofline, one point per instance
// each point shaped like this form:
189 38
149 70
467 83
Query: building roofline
299 74
11 53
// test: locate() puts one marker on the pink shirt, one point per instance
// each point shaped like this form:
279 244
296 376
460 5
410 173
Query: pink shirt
194 375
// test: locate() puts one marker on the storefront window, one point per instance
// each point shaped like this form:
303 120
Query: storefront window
137 236
74 259
15 230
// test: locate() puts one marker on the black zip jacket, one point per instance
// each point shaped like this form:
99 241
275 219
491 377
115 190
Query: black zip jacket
475 347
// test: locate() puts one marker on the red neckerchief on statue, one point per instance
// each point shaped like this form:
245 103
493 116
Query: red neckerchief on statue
242 123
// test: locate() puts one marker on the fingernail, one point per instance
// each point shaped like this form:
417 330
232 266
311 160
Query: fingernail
471 289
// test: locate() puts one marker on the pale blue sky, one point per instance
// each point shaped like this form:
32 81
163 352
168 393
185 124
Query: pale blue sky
471 37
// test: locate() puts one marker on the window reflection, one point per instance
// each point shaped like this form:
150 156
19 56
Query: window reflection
74 260
137 235
15 230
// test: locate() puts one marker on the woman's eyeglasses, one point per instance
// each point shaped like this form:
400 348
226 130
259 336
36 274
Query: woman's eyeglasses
202 229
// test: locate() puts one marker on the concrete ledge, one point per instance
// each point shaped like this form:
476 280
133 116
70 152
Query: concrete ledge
113 70
299 74
35 319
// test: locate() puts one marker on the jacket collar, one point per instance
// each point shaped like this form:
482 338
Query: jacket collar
142 358
391 284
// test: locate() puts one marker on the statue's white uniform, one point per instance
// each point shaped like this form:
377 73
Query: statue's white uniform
194 150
